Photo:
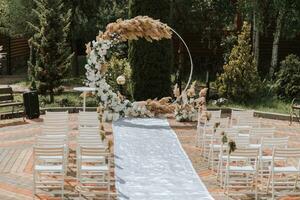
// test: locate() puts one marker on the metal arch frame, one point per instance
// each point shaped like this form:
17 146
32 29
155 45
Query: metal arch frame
190 56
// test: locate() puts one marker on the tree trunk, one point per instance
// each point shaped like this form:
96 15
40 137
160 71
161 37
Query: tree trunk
75 58
255 38
51 97
274 59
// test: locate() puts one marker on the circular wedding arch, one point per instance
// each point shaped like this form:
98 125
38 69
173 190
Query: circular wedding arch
116 32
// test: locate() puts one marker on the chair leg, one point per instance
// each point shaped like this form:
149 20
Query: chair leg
62 187
273 189
34 186
256 195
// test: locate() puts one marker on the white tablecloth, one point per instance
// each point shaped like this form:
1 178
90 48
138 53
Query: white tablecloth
151 164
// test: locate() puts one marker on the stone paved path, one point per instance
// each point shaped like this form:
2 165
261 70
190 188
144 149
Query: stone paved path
16 161
186 133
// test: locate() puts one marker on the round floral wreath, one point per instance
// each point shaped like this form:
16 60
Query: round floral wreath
97 55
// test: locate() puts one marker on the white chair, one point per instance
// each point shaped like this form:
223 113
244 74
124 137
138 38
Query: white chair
215 147
256 134
208 127
241 173
94 171
49 169
265 154
54 141
284 174
215 113
56 122
88 119
246 114
242 141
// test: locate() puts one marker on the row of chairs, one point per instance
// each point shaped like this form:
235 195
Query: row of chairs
51 155
260 157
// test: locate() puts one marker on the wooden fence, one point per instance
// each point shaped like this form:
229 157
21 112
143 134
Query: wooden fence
17 52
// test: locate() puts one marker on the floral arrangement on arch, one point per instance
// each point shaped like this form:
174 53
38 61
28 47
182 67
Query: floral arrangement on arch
187 104
98 54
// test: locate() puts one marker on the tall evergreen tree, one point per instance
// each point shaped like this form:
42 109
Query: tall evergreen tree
240 80
151 62
50 52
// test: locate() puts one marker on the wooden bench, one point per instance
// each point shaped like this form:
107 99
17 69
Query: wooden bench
295 110
7 100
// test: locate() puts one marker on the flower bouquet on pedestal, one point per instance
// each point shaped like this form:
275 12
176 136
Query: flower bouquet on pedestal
186 108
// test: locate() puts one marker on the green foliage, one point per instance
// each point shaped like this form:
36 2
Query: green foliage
50 53
287 84
207 20
90 16
227 44
151 62
13 17
118 67
291 16
240 80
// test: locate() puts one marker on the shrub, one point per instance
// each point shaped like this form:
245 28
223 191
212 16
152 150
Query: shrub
151 62
287 84
240 80
118 67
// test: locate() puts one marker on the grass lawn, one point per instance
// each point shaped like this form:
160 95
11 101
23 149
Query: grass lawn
70 98
265 104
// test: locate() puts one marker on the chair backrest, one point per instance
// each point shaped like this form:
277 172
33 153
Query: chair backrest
93 151
245 152
252 122
88 130
258 133
267 142
241 114
249 155
215 113
242 141
229 132
224 122
57 115
90 119
56 118
91 141
48 151
286 153
50 140
54 130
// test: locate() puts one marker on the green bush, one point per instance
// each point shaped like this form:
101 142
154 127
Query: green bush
240 80
151 62
118 67
287 84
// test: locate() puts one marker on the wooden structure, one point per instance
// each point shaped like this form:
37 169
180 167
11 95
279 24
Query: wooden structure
7 99
17 53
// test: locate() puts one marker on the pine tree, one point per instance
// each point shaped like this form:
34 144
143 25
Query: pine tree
50 56
240 80
151 62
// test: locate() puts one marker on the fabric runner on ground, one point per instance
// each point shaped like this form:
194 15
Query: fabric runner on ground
151 164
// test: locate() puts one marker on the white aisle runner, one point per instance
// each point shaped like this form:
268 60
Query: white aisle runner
151 164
